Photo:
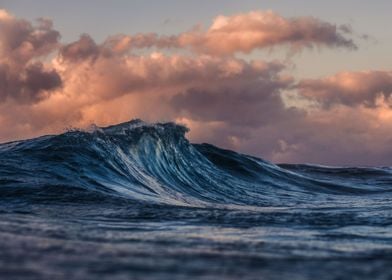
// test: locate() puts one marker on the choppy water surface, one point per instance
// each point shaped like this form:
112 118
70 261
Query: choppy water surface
138 201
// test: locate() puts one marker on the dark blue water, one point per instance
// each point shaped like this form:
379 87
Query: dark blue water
138 201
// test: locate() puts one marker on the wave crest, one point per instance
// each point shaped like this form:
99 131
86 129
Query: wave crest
155 163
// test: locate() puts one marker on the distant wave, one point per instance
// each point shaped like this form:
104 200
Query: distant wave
155 163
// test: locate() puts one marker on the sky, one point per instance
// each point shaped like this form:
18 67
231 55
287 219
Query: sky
288 81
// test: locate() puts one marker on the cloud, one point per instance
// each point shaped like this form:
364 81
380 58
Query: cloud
338 136
349 88
236 103
22 77
244 33
80 50
123 43
251 103
31 85
259 29
22 41
109 74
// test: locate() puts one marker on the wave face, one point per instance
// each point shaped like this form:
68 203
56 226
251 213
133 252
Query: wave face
134 180
156 163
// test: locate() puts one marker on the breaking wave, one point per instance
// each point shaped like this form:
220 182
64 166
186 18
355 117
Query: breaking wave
155 163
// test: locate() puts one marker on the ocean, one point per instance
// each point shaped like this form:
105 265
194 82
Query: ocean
139 201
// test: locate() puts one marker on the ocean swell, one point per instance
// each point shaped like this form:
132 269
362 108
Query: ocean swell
155 163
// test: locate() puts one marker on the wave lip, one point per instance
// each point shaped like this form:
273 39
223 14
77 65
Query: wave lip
155 163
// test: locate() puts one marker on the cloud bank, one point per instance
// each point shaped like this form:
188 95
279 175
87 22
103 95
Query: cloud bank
47 85
244 33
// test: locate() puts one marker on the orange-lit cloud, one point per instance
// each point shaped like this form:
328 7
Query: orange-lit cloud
245 33
255 30
349 88
46 86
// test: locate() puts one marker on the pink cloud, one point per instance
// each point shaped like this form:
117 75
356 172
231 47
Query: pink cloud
258 29
349 88
22 77
244 33
225 100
